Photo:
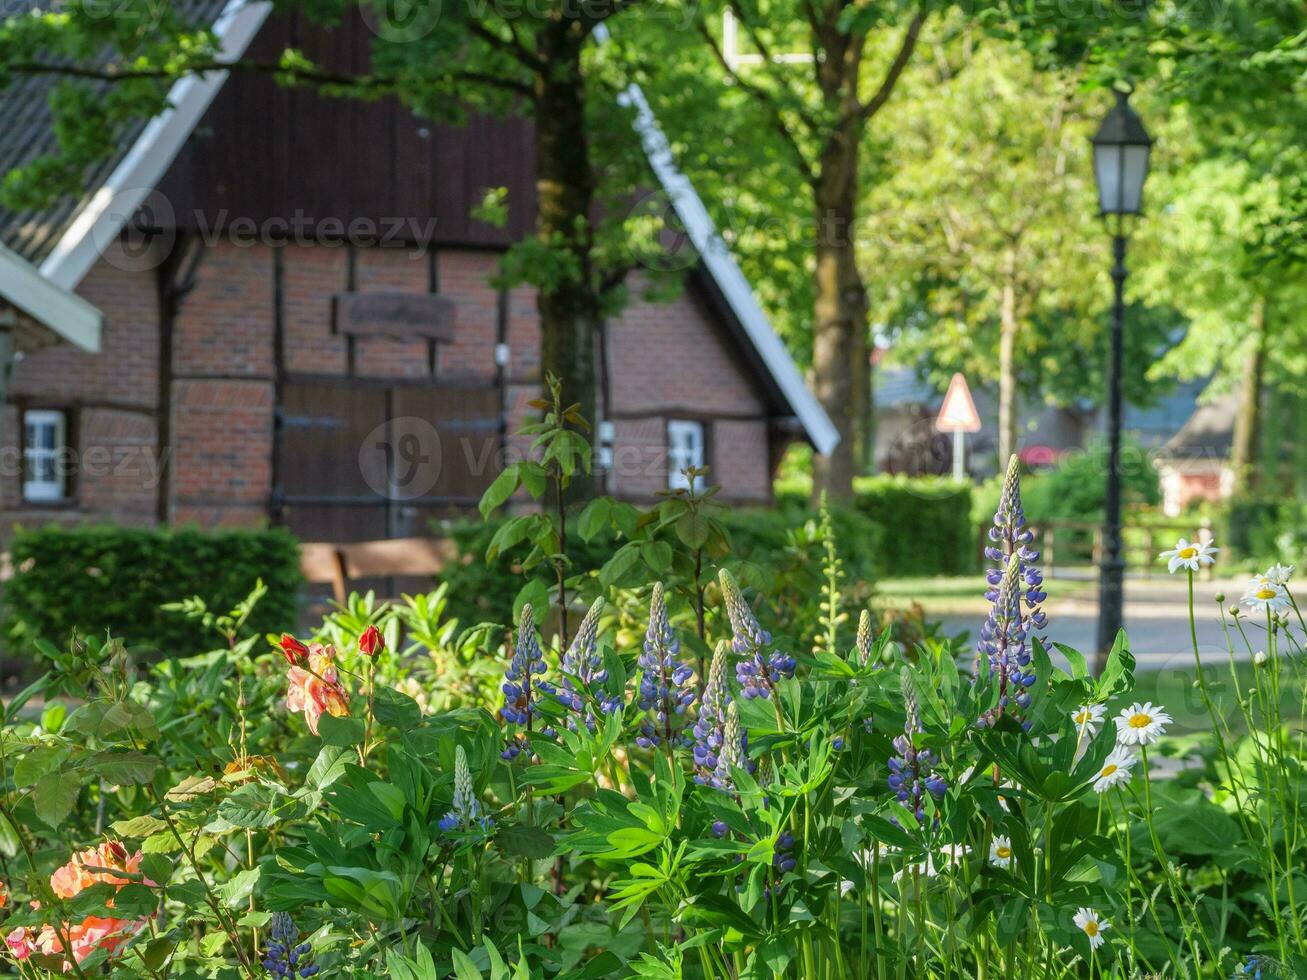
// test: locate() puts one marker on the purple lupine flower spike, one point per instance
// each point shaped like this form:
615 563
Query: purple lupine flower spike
1003 646
522 684
1009 659
665 689
584 673
911 774
710 726
285 956
757 672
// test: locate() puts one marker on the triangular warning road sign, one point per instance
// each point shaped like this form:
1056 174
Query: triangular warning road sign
958 413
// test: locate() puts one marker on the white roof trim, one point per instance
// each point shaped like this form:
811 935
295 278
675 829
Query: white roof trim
721 265
61 310
102 218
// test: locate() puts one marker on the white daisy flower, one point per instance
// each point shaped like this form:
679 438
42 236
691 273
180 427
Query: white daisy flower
953 854
1189 555
1278 574
1092 925
1088 719
1118 768
1000 852
1141 724
1264 596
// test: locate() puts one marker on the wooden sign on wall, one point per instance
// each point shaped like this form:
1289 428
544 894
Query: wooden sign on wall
383 314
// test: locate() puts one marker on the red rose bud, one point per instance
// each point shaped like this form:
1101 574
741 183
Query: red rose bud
371 642
295 651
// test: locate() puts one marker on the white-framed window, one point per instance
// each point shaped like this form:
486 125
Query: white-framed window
685 448
45 437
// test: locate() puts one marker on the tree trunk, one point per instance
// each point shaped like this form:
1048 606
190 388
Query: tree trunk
840 348
1248 421
565 184
1008 406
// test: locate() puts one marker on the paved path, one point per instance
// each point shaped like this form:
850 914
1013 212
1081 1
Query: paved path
1156 619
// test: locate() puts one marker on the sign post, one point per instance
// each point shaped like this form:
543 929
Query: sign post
958 415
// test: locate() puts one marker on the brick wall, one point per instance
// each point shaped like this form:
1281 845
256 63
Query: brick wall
672 360
222 392
109 399
667 361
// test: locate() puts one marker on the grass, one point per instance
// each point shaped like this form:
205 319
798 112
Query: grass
953 595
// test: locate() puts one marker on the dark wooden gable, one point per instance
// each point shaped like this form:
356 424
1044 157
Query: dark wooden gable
268 154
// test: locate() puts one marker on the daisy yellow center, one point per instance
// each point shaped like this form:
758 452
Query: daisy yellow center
1108 769
1091 928
1140 720
1188 552
1003 852
1265 593
1082 718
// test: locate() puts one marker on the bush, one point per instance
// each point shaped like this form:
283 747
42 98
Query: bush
1075 489
925 524
1261 528
97 578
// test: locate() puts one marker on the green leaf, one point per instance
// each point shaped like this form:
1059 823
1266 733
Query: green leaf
54 797
499 491
396 709
239 887
693 529
122 768
139 827
342 732
37 761
594 518
464 968
1119 674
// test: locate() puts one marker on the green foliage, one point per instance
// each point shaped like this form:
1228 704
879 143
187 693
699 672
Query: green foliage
95 578
917 526
411 833
1075 488
1262 528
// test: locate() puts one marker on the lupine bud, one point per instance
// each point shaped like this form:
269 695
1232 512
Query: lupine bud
466 812
371 642
293 650
732 756
864 640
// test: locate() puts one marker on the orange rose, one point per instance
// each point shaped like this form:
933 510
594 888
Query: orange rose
317 690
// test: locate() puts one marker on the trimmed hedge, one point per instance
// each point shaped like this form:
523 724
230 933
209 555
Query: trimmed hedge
95 578
924 523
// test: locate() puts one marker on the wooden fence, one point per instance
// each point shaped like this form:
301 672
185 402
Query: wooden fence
1068 544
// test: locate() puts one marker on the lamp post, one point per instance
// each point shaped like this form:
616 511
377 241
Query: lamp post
1121 148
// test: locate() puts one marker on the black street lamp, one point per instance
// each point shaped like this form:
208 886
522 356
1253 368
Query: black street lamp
1121 148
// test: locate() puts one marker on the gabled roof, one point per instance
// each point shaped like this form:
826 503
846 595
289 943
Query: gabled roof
44 254
1209 432
67 238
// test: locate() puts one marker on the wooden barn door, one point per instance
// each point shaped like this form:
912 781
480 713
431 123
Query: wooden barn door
360 461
